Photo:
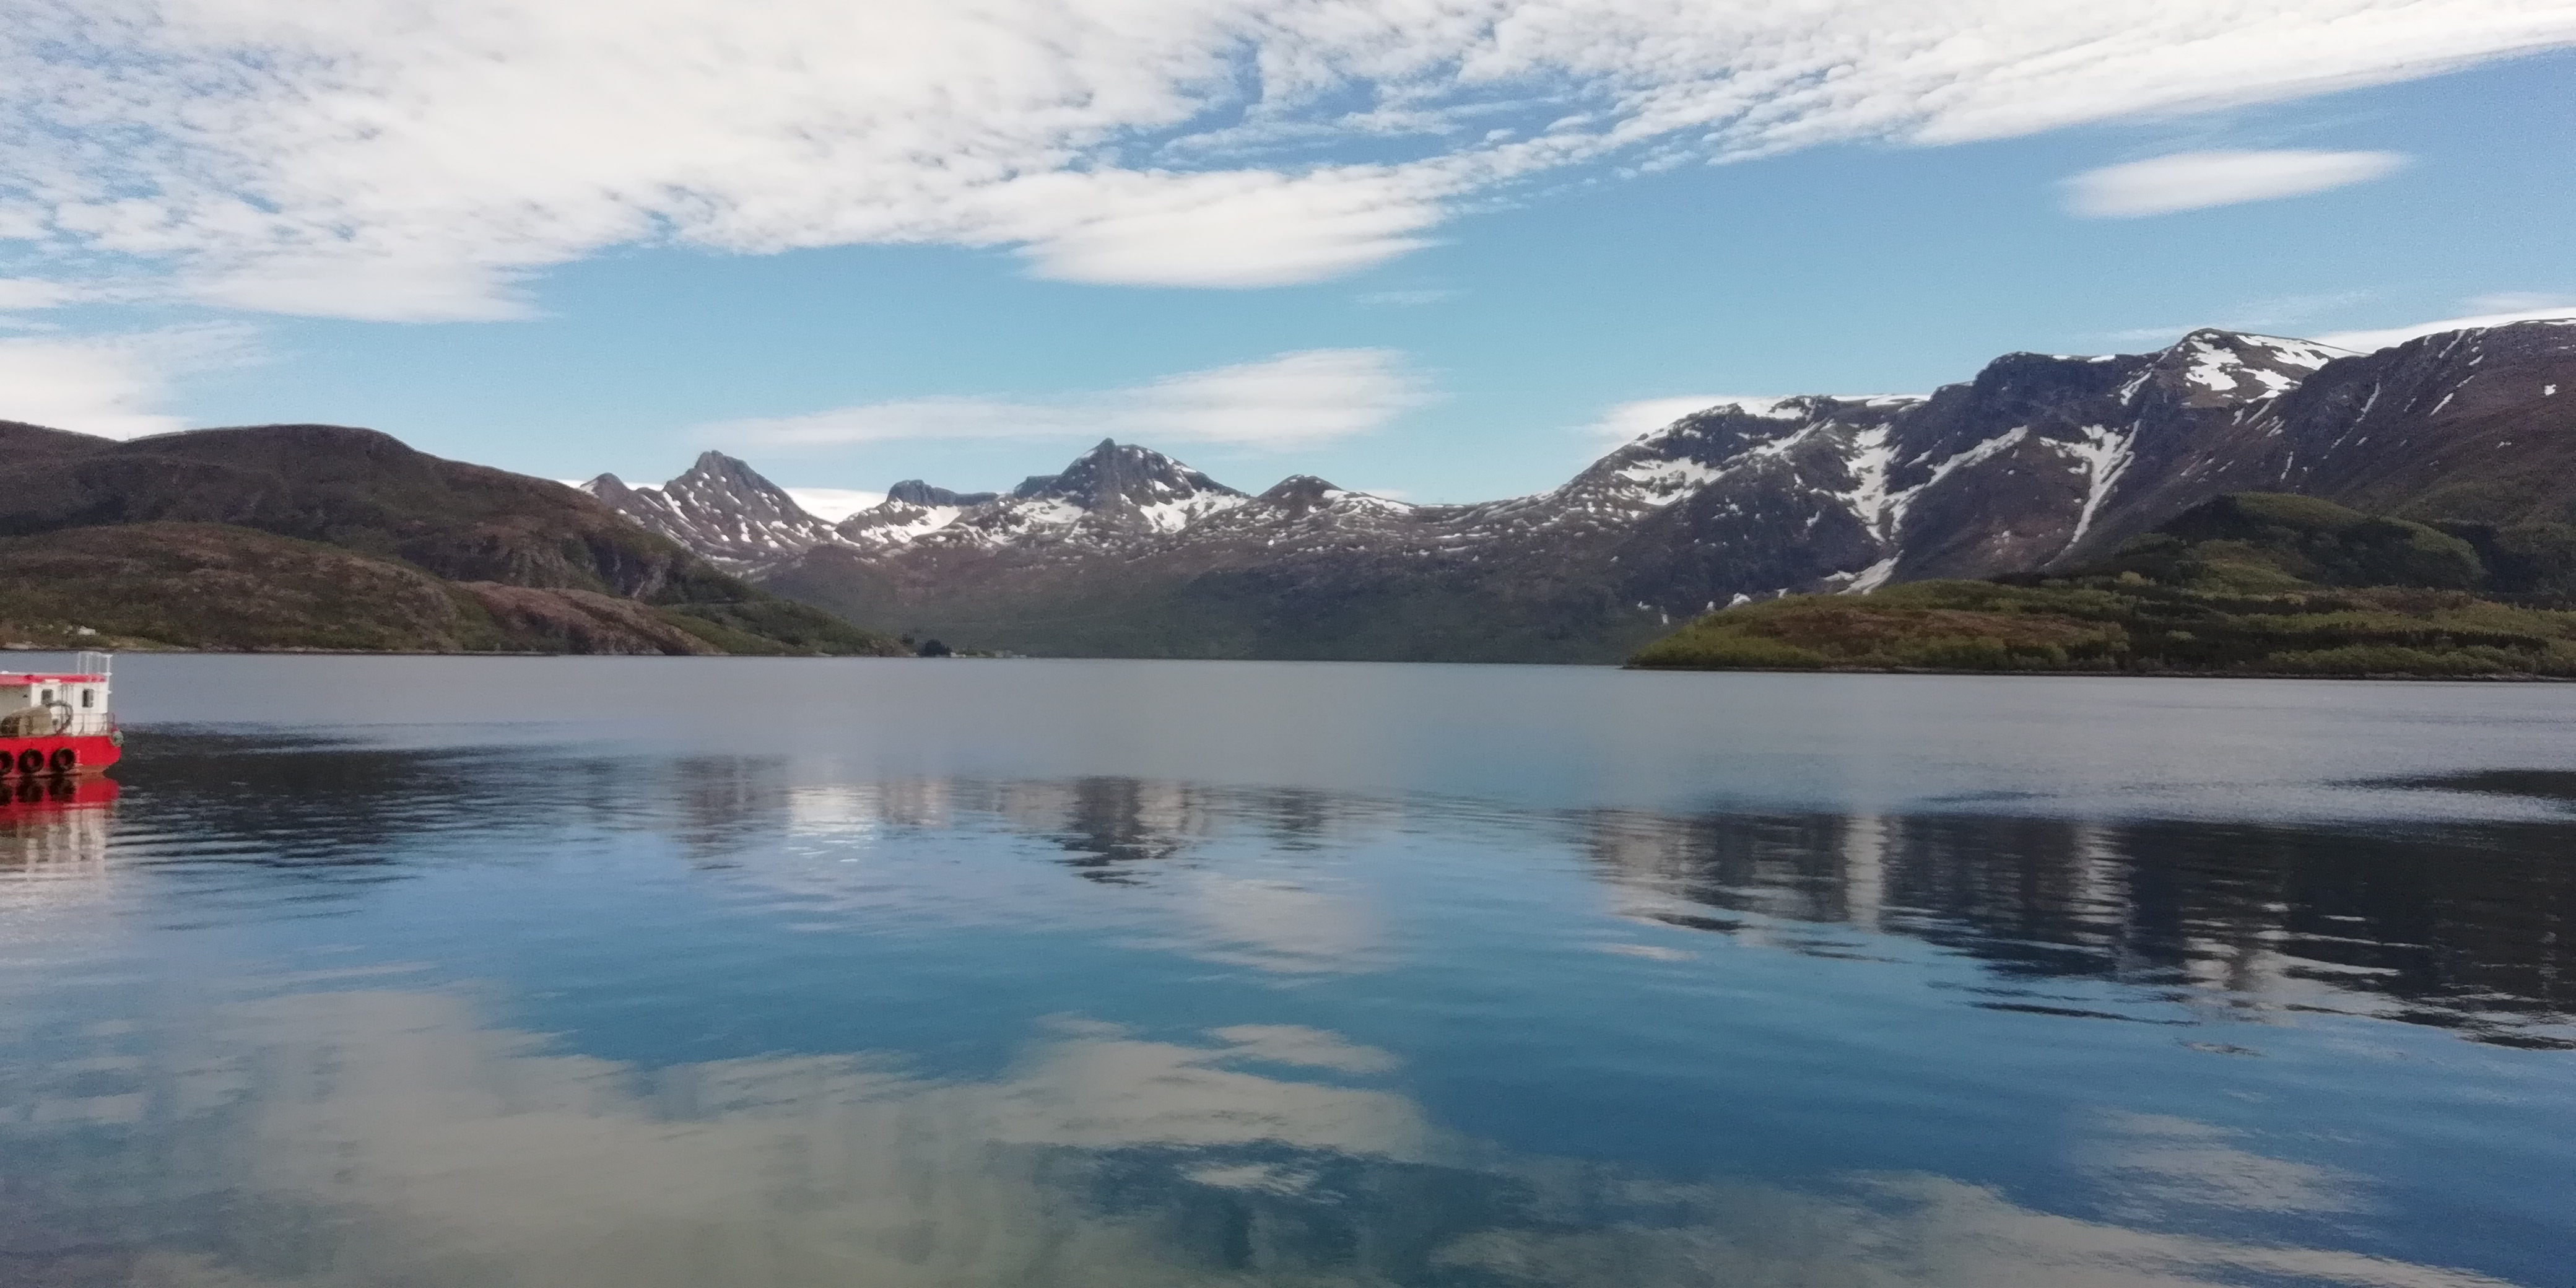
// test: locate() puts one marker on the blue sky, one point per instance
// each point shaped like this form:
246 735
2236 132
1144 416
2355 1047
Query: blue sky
1286 248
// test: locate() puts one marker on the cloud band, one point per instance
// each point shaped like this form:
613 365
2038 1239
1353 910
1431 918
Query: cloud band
399 159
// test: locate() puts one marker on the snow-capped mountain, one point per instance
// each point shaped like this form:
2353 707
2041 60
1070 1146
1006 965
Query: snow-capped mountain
721 509
2038 461
1111 494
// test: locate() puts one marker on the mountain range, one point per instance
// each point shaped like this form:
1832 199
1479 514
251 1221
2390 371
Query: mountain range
2037 461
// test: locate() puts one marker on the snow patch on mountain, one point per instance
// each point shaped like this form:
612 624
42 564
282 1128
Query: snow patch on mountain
887 524
2102 455
1172 516
1864 580
1788 407
1668 480
1871 459
1898 502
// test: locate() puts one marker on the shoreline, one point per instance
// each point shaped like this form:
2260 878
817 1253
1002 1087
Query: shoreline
2036 673
1621 666
381 652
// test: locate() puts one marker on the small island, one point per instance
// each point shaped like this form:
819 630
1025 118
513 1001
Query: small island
2246 584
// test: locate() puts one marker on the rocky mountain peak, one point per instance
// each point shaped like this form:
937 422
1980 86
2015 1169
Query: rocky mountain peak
1131 486
915 492
1300 489
912 509
1300 495
2215 368
721 508
718 480
611 489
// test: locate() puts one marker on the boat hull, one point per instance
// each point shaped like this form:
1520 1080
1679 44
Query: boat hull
90 754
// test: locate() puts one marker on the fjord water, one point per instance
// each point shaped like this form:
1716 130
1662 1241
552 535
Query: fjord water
640 972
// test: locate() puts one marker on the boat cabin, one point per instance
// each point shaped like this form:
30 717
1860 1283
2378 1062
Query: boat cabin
77 700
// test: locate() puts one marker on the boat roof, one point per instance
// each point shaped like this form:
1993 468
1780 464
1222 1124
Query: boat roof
22 678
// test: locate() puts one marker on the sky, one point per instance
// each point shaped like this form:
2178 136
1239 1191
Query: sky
1446 250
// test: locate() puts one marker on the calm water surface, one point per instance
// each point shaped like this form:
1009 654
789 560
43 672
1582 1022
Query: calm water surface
601 973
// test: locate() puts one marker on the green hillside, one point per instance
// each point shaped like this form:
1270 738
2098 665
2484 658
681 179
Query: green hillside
2251 583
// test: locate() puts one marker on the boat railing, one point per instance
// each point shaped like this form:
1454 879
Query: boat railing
82 724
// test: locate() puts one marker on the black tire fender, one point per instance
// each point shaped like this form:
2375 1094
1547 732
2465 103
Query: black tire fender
31 761
63 761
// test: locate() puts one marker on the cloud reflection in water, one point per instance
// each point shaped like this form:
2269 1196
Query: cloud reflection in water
385 1138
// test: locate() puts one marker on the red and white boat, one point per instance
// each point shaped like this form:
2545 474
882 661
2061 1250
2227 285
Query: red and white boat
58 724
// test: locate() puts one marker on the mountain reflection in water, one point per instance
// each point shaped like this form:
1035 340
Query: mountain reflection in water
299 1013
2465 926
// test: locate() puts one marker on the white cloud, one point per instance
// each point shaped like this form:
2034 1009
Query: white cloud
2516 302
34 293
369 290
2365 341
1292 400
1230 229
833 504
1628 420
2196 180
109 385
399 159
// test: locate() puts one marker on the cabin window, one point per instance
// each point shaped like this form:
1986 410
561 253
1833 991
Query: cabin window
49 696
89 698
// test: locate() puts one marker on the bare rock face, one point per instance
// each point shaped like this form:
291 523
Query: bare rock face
2037 461
916 492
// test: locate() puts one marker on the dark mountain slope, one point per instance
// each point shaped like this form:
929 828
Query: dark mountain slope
2472 425
192 585
20 441
367 495
354 488
210 586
